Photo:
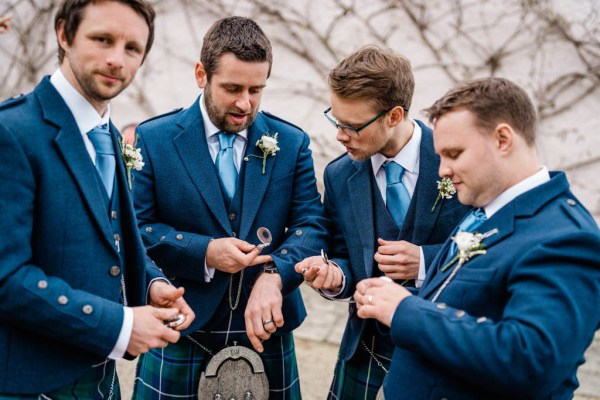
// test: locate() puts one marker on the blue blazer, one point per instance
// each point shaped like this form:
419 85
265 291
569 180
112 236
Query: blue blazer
59 303
180 207
513 323
349 204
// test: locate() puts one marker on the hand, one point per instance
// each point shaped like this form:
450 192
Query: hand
5 23
264 304
232 255
149 330
398 259
163 295
319 274
379 299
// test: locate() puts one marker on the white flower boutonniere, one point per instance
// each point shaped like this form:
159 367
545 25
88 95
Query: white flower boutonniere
445 191
132 157
268 145
469 245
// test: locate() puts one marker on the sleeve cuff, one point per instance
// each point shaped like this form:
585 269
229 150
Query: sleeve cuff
422 271
123 340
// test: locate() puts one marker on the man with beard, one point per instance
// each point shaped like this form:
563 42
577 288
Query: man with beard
379 227
218 172
74 278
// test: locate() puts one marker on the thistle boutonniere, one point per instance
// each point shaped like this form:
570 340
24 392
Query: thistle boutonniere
132 158
268 145
468 246
445 191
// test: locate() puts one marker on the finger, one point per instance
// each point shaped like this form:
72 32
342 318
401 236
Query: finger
310 274
330 277
243 246
254 259
254 340
363 285
164 314
186 310
321 274
269 324
277 315
172 336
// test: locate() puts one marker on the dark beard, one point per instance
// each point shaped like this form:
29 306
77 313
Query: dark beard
218 118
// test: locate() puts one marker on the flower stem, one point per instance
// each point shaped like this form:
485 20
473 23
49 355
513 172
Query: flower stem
437 200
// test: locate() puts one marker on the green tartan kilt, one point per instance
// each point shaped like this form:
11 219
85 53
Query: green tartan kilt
174 372
100 382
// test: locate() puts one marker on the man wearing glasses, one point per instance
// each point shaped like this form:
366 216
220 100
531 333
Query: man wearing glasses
382 197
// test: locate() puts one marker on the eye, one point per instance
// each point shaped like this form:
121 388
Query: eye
255 90
453 155
133 49
102 39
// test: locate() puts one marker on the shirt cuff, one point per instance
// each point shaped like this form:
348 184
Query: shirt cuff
123 340
335 292
422 271
209 272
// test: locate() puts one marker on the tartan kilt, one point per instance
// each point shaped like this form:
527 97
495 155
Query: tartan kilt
100 382
361 377
174 372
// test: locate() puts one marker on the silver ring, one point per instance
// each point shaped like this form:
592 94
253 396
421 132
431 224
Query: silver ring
370 299
304 269
267 322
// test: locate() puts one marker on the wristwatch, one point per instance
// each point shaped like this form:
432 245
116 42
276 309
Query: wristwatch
270 268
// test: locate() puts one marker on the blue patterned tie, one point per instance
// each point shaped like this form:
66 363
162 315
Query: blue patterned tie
105 156
472 221
228 174
397 198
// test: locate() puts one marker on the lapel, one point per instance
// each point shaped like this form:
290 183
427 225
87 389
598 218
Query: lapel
194 154
425 191
358 185
72 148
255 183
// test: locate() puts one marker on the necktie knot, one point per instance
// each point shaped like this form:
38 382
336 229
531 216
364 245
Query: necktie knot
473 220
393 172
101 139
226 140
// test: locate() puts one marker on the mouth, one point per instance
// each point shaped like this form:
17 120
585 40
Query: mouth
110 78
238 119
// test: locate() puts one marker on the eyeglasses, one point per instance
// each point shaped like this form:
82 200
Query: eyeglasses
351 130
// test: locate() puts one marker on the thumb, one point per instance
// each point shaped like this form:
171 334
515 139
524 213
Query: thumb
165 313
382 242
244 246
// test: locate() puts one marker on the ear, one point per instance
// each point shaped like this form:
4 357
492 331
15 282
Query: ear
200 74
396 115
61 37
504 136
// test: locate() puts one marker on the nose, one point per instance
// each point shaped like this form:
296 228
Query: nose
444 170
116 57
243 102
342 136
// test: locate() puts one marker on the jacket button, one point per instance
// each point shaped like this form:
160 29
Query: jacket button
232 217
114 271
42 284
481 320
113 214
87 309
62 300
284 251
179 236
149 229
460 313
298 232
571 202
441 306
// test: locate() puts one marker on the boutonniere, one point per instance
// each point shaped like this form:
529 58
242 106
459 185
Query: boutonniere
132 158
469 245
268 145
445 191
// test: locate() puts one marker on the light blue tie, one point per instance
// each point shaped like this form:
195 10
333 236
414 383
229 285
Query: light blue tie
472 221
397 197
105 156
225 164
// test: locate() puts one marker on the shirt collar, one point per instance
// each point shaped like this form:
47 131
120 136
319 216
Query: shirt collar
209 128
84 113
408 157
535 180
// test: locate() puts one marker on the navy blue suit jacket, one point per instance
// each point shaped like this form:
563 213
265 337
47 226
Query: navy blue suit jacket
180 207
513 323
59 305
349 204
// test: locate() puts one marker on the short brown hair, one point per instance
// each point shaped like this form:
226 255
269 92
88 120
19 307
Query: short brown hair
237 35
492 100
374 75
71 12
